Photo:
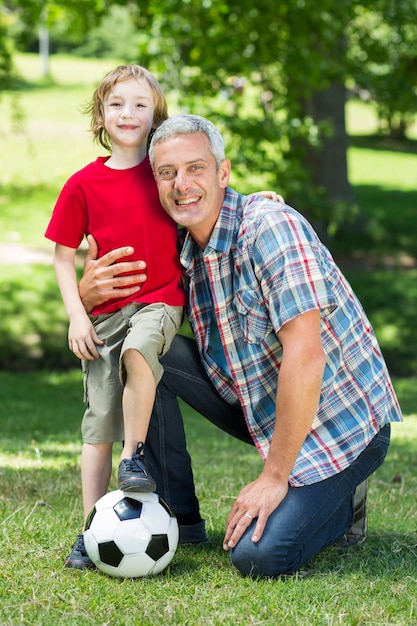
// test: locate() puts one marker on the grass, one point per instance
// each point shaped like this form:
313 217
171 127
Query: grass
40 409
48 142
40 504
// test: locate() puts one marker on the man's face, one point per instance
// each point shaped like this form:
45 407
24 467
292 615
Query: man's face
190 188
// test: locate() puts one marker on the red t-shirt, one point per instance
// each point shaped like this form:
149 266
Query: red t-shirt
121 208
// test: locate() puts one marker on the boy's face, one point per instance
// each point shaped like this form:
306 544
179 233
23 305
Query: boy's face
128 113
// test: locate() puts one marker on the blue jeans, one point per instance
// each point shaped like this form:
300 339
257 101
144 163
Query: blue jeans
309 519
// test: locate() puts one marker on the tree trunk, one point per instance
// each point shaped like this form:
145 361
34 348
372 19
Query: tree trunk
44 51
328 166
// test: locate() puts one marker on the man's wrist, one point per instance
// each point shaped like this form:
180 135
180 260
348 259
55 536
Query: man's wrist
88 306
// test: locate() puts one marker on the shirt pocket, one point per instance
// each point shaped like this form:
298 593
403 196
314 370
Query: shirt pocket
253 316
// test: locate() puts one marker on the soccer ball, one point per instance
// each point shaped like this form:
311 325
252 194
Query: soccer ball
131 534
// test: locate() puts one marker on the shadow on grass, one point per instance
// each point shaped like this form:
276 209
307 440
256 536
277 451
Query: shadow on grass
21 85
384 229
383 142
389 297
386 555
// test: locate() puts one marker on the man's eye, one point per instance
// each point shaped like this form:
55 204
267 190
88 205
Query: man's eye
166 174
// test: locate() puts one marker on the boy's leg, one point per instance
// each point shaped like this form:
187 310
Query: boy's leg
151 330
102 422
96 462
138 400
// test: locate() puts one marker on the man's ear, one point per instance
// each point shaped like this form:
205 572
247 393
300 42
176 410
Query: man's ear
224 173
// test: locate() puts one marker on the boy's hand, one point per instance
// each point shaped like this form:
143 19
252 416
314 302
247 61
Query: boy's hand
83 339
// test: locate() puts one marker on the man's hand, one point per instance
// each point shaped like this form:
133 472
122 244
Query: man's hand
256 501
101 280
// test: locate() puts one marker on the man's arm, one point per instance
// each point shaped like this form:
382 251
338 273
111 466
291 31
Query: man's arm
101 280
298 396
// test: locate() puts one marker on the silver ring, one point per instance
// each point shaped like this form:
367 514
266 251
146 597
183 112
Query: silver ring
248 515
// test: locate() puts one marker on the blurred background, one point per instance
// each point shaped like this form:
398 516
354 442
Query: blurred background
316 100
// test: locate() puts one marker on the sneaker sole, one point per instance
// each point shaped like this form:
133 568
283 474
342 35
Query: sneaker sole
141 487
79 564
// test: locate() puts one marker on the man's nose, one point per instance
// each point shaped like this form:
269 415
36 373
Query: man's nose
182 182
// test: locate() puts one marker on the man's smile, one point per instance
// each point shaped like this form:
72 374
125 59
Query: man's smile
187 201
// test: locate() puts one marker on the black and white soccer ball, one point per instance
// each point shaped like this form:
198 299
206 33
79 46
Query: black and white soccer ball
131 534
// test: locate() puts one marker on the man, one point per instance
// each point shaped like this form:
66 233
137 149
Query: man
284 358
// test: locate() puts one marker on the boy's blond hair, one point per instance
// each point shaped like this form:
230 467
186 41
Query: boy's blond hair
95 109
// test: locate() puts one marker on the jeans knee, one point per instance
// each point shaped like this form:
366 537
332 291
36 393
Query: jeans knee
260 559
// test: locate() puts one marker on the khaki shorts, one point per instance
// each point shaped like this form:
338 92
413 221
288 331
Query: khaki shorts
148 328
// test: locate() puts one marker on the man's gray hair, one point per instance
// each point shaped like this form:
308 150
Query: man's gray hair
186 124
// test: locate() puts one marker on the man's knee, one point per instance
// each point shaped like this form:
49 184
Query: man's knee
262 559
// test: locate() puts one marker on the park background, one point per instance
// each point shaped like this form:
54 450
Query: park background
316 101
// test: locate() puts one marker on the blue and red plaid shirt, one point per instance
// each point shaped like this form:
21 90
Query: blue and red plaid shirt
263 266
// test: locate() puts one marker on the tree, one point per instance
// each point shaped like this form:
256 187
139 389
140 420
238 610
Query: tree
383 60
273 75
7 74
35 19
289 61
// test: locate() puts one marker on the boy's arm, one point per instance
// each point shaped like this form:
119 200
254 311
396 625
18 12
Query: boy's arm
82 338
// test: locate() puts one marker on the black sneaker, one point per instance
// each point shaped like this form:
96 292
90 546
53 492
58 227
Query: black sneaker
356 534
78 558
133 475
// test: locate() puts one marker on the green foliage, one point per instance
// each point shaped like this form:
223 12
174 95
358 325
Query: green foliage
7 71
75 17
276 85
41 512
254 85
383 59
386 296
39 334
115 36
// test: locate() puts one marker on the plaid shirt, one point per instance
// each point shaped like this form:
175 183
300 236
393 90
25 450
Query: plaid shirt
263 266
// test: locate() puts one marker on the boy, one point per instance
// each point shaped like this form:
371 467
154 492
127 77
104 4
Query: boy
116 200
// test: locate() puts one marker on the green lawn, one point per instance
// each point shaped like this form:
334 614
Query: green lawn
41 510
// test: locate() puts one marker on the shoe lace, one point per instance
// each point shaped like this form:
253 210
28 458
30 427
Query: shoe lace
137 462
80 546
